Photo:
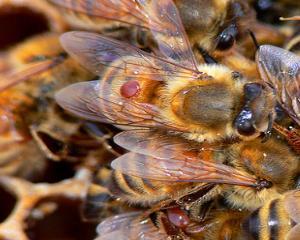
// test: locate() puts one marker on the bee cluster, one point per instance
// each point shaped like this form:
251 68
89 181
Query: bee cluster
172 119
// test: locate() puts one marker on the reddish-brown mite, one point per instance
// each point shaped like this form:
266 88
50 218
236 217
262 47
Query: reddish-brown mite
178 217
130 89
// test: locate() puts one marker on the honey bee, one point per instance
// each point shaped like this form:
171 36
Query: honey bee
217 30
276 219
170 90
212 25
180 99
36 69
250 170
170 223
163 171
119 189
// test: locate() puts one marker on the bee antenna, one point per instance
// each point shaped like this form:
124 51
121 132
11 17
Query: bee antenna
207 58
252 35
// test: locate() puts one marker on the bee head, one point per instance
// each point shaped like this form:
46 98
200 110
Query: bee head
258 112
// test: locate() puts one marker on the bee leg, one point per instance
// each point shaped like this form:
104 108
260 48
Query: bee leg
252 35
164 223
169 203
292 136
294 42
199 211
198 193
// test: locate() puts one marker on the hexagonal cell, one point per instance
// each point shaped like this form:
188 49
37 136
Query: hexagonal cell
55 172
19 23
8 202
62 221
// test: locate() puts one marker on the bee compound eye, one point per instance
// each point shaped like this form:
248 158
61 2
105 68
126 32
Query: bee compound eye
244 123
225 42
246 128
252 91
226 39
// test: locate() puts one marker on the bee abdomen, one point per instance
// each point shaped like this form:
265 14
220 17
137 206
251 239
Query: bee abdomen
270 222
135 189
98 203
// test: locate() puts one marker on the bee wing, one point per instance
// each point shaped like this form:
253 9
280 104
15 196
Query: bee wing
166 26
294 233
129 226
280 69
94 101
30 70
117 10
93 51
180 170
160 144
292 205
161 17
190 161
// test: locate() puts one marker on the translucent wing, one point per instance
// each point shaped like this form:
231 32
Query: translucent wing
294 233
181 170
161 17
160 144
93 51
292 205
161 156
30 70
280 70
94 101
167 28
129 226
126 11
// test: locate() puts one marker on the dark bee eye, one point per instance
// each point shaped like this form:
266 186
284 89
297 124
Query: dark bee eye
252 91
226 41
244 123
227 38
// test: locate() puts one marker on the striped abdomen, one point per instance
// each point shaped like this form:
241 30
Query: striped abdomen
270 222
139 190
